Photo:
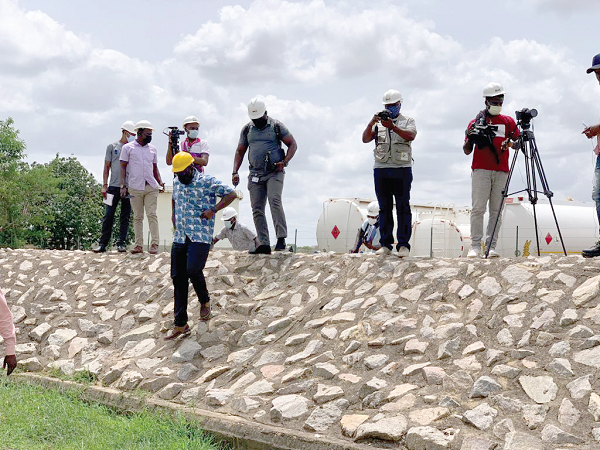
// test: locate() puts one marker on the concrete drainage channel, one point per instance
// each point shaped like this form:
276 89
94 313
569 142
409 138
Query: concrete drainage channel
239 432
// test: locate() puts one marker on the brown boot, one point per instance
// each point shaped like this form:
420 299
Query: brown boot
177 332
205 311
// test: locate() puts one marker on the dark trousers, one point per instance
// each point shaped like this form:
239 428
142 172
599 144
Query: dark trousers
109 217
393 184
187 262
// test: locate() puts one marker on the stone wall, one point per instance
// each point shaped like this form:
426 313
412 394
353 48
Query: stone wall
416 354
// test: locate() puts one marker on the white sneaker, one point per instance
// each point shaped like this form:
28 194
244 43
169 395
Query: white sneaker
403 252
493 254
474 253
383 251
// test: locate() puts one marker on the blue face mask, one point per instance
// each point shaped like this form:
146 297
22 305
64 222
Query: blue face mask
130 138
193 134
393 109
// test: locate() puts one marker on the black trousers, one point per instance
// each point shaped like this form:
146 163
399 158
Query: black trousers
187 262
109 217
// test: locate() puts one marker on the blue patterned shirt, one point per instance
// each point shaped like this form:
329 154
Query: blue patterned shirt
191 201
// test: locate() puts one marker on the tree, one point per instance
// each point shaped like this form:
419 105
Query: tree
76 210
12 152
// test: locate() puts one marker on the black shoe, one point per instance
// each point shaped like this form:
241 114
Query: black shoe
591 252
261 250
280 244
121 248
99 249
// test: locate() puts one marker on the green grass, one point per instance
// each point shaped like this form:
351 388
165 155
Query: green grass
37 418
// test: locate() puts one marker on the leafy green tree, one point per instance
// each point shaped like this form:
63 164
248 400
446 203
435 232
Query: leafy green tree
12 152
76 209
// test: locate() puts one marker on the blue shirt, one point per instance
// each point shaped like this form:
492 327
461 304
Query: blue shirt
191 201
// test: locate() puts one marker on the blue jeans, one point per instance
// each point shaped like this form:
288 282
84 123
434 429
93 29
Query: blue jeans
187 262
393 184
596 187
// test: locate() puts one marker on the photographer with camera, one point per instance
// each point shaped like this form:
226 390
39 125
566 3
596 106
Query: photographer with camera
368 234
590 132
488 137
192 144
393 134
262 137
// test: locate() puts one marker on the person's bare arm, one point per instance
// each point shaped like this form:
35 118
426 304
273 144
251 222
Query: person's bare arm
240 151
105 173
369 133
290 142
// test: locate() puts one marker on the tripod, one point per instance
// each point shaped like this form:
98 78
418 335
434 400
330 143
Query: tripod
533 165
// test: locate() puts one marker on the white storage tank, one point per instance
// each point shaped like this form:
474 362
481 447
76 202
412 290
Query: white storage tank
577 221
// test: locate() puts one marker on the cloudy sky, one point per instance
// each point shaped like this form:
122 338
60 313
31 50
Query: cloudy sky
72 72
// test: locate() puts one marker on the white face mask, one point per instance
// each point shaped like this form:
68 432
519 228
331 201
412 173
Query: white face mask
228 224
193 134
130 138
494 110
372 221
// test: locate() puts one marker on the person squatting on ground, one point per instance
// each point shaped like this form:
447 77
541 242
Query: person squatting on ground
240 236
590 132
262 137
141 179
194 208
489 134
192 144
111 191
7 331
368 234
393 134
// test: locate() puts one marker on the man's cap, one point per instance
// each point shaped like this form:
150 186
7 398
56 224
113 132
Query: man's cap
182 161
143 124
128 126
595 63
256 108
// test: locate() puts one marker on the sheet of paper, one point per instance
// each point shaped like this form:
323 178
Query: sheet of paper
109 199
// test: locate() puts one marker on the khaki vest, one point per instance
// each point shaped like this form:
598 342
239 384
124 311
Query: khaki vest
392 148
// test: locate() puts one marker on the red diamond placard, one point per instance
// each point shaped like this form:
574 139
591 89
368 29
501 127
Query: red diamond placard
548 239
335 232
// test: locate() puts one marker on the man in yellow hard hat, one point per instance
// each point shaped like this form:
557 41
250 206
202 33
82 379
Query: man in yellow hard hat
194 208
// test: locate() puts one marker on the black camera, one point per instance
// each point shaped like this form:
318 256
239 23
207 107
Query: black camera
174 138
384 115
526 114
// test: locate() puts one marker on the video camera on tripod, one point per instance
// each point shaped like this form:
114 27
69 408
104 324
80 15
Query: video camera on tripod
174 135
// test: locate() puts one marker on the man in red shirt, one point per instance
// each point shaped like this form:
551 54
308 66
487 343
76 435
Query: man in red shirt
488 137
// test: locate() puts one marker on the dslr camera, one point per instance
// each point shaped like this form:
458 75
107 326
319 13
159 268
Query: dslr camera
526 114
174 138
384 115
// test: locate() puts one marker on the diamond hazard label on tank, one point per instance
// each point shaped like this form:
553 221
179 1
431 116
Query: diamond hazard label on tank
548 239
335 232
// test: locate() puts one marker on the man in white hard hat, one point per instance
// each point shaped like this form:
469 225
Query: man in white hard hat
240 236
192 144
141 179
194 207
591 132
368 234
393 134
7 331
488 137
111 191
262 137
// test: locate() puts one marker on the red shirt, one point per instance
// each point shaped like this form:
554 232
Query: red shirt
484 158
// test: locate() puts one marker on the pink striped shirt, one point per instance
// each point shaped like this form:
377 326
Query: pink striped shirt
7 329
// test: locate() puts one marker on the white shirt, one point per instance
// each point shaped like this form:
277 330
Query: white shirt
140 165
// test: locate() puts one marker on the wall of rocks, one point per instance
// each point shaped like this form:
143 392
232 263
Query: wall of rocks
422 354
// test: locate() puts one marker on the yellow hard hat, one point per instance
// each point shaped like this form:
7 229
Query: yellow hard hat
182 161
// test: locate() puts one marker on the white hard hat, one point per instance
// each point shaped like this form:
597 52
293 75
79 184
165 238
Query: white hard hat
190 119
256 108
392 96
492 90
229 213
128 126
373 209
143 124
